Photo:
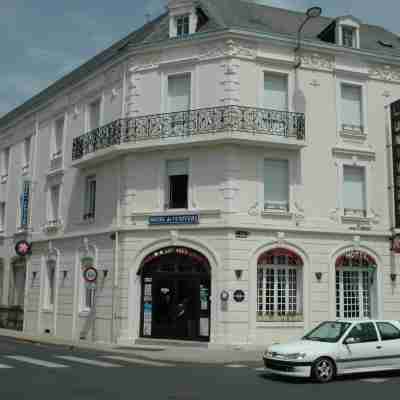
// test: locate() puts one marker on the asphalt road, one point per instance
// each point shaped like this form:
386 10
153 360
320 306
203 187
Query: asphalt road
29 371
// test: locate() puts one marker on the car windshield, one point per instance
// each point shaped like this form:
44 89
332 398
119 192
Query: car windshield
328 332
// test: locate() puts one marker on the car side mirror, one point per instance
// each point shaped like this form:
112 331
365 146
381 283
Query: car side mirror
350 340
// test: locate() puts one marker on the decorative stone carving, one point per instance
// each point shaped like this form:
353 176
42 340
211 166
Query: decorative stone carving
384 73
174 236
375 217
316 61
314 83
334 215
145 62
229 48
298 214
230 83
280 238
253 210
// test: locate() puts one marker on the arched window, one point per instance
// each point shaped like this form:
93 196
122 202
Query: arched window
355 272
279 286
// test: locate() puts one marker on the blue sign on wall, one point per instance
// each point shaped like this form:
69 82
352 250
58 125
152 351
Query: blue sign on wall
174 219
25 203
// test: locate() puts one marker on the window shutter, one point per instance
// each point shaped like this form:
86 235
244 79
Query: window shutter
276 184
177 167
275 92
178 93
353 188
351 105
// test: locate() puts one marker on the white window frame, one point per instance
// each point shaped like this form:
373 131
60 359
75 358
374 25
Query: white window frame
367 174
352 23
86 205
364 108
99 97
290 158
54 153
371 296
299 291
182 11
283 72
26 153
5 166
288 189
177 18
165 75
166 191
47 304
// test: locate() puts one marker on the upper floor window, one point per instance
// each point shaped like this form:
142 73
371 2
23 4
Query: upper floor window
90 197
178 180
53 210
5 163
26 153
182 25
94 114
348 36
276 185
275 92
2 216
351 97
178 93
354 193
58 137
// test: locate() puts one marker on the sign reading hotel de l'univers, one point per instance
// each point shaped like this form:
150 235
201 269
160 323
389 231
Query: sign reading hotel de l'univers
190 219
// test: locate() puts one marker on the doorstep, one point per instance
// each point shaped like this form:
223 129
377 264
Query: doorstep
170 343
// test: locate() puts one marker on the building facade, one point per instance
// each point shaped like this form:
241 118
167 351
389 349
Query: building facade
227 185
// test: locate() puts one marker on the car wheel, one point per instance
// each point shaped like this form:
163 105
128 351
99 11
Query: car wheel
323 370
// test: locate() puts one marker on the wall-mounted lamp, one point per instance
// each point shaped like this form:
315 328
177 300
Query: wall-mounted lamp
393 277
34 273
105 273
238 273
65 273
224 296
318 276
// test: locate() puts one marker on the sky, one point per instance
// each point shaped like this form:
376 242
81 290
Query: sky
42 40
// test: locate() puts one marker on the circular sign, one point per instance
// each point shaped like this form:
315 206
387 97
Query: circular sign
224 295
238 295
22 248
90 274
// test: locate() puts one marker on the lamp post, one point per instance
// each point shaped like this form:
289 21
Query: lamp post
312 12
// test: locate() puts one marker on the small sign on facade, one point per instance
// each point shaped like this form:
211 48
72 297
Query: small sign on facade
238 295
189 219
90 274
22 248
396 244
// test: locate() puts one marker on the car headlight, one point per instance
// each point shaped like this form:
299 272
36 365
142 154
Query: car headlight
296 356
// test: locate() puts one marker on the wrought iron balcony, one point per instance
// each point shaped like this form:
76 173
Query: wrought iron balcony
185 124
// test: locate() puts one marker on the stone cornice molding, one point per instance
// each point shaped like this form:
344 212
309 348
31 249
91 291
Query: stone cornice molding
385 73
145 62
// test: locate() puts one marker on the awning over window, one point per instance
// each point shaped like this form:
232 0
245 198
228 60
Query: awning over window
293 258
355 258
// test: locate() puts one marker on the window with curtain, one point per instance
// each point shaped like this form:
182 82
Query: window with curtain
352 107
94 114
50 284
354 196
178 179
275 92
27 151
348 36
5 161
178 93
182 25
58 137
54 203
276 185
90 198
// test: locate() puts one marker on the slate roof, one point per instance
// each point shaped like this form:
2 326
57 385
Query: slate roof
222 14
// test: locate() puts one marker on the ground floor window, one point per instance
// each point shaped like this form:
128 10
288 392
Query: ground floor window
279 286
355 273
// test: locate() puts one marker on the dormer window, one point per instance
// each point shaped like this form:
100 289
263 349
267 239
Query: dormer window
348 36
182 25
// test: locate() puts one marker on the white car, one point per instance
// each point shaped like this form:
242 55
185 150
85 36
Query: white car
338 347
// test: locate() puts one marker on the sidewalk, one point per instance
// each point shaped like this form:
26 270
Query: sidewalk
214 354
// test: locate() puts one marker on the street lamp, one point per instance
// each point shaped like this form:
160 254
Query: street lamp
312 12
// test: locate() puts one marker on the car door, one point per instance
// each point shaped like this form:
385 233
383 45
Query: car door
360 348
390 337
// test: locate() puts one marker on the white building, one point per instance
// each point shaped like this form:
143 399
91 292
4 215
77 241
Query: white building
263 210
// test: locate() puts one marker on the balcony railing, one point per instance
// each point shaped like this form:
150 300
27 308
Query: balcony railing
190 123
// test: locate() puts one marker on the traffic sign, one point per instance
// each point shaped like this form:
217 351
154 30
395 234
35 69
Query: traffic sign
22 248
90 274
90 285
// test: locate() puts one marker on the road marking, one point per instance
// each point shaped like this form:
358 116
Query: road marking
5 366
374 380
259 369
89 362
35 361
140 361
235 366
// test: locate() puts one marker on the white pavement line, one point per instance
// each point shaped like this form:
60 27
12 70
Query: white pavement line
89 362
140 361
35 361
259 369
374 380
235 366
5 366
